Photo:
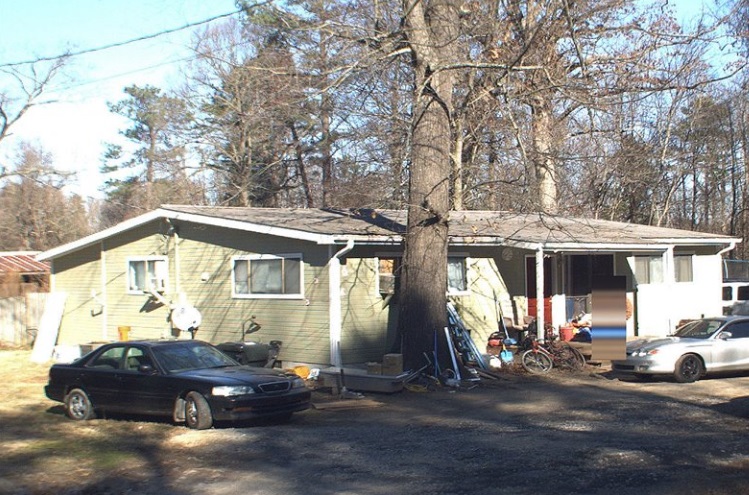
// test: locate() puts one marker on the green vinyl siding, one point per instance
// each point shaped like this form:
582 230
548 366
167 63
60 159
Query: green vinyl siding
199 274
370 318
147 318
205 278
76 275
367 331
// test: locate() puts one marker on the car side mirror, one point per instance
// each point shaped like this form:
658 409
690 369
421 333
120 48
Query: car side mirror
725 335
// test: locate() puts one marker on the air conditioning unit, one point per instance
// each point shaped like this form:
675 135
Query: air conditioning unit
158 284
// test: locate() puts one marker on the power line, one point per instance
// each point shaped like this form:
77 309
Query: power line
121 43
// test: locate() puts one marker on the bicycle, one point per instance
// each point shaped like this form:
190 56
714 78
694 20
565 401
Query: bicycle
540 359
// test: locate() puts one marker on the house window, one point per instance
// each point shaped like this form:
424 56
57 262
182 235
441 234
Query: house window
388 271
389 275
457 280
267 276
649 269
683 268
147 274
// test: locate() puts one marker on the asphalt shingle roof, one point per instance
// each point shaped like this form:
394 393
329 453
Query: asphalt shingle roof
518 227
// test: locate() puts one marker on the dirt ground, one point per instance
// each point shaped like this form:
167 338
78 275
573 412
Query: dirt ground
591 432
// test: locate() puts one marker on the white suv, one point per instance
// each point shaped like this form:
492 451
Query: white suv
736 298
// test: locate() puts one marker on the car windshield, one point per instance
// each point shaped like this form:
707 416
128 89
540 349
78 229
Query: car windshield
699 329
191 356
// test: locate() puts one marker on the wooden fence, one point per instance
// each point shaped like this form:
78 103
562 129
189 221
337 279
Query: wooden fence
19 318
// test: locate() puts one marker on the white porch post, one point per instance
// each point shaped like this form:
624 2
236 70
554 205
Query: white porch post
334 304
669 279
540 293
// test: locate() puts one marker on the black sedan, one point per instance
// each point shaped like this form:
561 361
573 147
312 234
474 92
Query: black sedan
189 380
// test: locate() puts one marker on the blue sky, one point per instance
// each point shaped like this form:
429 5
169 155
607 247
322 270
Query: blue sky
76 125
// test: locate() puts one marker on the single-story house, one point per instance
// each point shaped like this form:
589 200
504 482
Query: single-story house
325 282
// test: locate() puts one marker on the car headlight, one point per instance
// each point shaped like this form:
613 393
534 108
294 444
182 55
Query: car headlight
298 383
232 390
643 352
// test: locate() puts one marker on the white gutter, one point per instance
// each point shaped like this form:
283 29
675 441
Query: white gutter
335 307
729 248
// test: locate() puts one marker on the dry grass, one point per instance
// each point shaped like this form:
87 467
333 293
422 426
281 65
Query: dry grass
46 453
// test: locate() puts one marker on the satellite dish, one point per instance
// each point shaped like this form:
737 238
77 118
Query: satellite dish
186 318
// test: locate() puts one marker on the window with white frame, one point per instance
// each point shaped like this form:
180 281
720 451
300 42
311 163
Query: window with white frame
457 280
267 276
388 274
147 274
649 269
388 271
683 268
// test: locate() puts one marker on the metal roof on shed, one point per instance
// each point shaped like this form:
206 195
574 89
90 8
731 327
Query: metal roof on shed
22 262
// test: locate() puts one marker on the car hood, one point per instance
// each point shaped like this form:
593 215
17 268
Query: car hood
236 375
648 343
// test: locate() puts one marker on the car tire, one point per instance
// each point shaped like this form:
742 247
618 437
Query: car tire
78 406
688 369
198 414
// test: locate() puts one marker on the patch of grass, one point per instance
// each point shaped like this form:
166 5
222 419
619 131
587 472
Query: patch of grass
97 454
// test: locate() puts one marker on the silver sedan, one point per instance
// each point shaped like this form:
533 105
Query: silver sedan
698 347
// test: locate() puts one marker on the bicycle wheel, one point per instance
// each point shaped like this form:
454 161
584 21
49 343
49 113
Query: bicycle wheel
568 358
536 362
579 358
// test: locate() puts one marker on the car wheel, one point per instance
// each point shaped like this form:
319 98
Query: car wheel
197 412
78 406
688 369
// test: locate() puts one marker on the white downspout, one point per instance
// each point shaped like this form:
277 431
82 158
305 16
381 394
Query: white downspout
335 308
105 309
177 284
731 247
541 334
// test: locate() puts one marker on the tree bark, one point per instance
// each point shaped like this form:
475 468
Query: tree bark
431 32
543 157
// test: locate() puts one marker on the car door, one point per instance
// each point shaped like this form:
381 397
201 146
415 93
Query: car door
733 352
144 390
100 378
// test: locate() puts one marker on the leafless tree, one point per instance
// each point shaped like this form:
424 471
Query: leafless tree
38 215
21 88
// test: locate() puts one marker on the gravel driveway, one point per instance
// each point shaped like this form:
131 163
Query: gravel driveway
585 433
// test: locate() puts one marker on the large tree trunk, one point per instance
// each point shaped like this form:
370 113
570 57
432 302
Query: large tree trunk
543 156
431 27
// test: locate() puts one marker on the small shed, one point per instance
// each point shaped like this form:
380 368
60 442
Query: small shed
21 273
24 285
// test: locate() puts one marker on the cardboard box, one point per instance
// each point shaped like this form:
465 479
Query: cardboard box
392 364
